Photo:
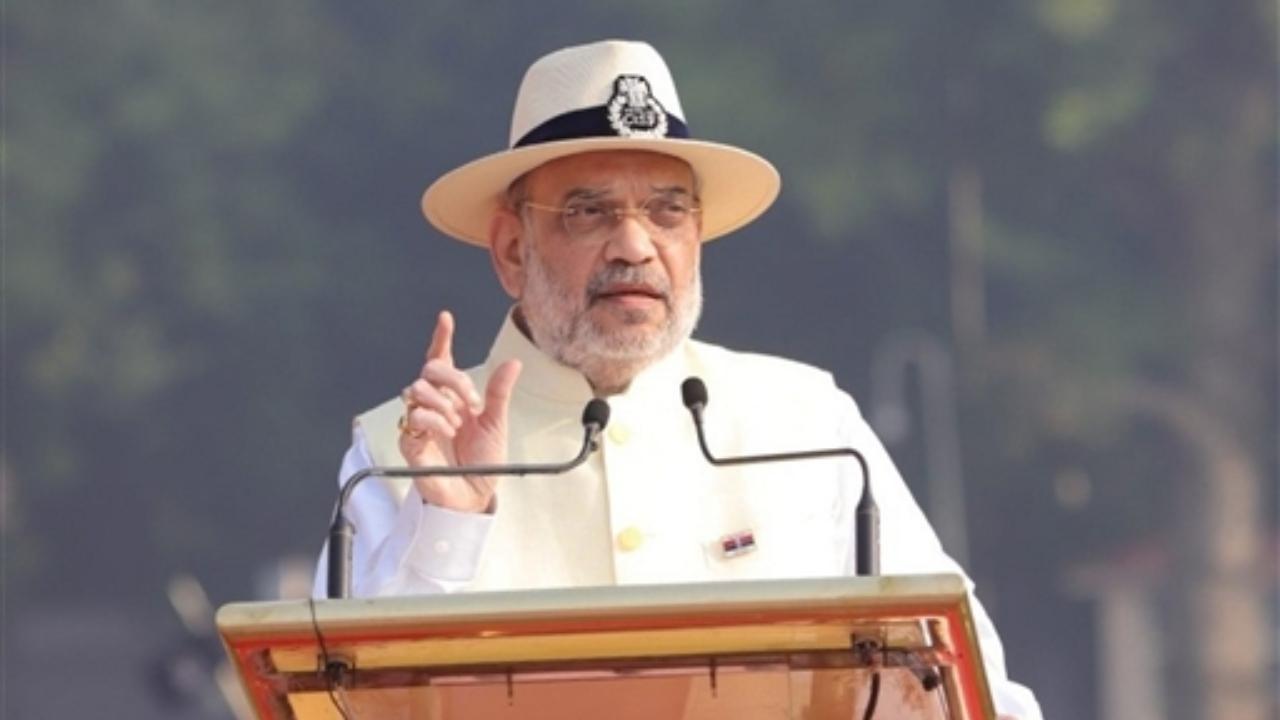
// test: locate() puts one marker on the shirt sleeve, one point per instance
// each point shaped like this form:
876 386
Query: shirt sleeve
404 548
909 545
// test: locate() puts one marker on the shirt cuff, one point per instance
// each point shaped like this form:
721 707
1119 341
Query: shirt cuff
446 544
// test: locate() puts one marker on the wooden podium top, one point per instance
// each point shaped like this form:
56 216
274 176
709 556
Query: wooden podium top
784 647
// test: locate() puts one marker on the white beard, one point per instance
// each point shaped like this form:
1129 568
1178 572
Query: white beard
562 327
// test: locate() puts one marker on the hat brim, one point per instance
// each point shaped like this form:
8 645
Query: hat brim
735 186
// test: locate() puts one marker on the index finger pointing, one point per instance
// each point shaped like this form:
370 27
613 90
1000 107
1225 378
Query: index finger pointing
441 347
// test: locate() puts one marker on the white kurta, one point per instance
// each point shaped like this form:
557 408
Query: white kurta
648 508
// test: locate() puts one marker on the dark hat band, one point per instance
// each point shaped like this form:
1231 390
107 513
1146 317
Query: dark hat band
585 123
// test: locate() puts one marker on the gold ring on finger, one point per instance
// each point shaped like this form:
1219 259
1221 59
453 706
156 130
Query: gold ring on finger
403 425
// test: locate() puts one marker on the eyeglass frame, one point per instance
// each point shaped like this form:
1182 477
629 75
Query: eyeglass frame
616 211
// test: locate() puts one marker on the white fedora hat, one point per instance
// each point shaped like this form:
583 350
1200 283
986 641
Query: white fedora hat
610 95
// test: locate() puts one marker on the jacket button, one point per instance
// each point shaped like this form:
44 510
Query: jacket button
619 433
630 539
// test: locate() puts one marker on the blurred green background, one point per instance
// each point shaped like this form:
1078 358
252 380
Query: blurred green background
1036 239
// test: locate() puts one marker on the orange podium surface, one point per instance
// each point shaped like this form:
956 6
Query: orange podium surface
811 649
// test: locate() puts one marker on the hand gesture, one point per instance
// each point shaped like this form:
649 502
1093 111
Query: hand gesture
447 422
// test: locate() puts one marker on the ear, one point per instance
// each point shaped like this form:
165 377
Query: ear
506 235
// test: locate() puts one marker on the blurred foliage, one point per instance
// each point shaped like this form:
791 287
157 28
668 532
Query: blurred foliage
213 255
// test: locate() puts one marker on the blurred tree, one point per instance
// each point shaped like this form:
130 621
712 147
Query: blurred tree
1156 167
1167 114
152 225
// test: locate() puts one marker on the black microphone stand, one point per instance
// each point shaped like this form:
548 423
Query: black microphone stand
867 514
866 517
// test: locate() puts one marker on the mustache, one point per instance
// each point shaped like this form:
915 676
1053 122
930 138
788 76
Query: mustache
621 274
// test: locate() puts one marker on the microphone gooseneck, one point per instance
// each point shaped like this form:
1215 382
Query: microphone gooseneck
595 416
866 516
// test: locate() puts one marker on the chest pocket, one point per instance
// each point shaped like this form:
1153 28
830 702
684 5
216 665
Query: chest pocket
798 523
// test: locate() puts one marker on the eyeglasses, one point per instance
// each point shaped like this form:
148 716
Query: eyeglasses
587 219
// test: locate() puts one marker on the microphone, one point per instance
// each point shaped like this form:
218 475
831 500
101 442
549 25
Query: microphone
341 532
867 515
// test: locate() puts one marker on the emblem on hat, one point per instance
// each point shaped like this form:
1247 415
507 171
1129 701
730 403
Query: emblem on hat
634 111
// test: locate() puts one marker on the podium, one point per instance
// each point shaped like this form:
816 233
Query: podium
812 649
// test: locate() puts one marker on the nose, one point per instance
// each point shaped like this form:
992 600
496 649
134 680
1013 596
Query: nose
631 241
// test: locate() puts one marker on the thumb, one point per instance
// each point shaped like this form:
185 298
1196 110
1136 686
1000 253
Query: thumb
497 394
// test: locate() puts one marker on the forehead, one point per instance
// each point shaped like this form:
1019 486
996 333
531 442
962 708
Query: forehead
615 171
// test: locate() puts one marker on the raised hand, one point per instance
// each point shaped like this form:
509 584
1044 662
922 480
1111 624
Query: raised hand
448 422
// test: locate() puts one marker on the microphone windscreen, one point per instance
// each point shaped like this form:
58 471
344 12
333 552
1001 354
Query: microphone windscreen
694 393
596 413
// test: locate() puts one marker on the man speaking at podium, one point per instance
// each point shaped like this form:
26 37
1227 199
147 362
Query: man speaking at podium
594 219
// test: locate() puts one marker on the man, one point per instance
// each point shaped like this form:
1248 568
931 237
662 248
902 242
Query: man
594 220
